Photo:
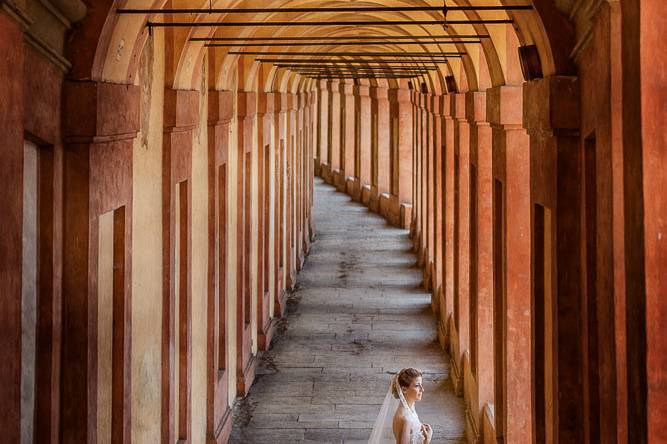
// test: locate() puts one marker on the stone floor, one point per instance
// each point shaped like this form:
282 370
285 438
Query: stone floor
357 316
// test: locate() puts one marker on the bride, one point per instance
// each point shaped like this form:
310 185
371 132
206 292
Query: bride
405 389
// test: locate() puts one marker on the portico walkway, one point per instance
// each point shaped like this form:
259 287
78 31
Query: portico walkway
357 316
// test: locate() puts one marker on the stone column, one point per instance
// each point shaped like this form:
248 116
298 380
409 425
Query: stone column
438 200
380 146
429 192
347 139
292 136
220 113
481 305
334 130
551 115
100 122
511 162
448 261
265 324
275 102
415 223
460 328
323 148
246 362
11 199
363 142
398 209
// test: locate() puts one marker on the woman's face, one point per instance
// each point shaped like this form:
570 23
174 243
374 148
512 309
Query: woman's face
415 391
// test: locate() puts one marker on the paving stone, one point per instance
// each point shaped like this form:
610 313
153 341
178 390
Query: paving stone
357 316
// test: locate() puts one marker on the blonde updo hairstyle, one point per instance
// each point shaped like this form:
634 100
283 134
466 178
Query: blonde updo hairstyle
403 379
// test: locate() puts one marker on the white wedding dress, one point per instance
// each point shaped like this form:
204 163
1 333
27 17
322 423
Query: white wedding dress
382 431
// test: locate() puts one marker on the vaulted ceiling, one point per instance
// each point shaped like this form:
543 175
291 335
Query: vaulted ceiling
108 43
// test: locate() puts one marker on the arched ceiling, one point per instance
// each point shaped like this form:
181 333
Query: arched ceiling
111 43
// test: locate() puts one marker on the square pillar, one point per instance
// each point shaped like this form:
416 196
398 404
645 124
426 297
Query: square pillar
334 141
380 146
220 113
551 116
460 329
347 138
438 200
447 303
245 359
323 129
399 206
481 264
511 161
101 120
362 104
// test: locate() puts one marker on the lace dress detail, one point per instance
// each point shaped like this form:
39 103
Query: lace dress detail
416 436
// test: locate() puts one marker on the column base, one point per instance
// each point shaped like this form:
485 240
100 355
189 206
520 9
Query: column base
456 370
353 188
266 335
366 194
245 378
338 180
223 430
325 173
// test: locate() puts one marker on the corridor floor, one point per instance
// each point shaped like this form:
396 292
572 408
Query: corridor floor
356 317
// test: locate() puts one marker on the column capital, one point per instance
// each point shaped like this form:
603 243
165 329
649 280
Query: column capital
272 102
437 105
504 105
220 106
476 106
378 92
291 101
448 106
246 103
361 90
552 103
346 88
400 95
262 103
333 85
284 102
424 100
460 107
100 110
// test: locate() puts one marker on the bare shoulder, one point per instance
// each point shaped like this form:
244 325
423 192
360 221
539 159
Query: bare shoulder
398 424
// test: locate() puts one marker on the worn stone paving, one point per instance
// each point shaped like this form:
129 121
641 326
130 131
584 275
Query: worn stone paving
356 317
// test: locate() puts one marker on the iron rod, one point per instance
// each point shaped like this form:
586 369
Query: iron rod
321 9
327 23
370 42
355 62
351 54
304 66
327 38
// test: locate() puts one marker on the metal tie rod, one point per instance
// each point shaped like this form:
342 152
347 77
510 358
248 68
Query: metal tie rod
321 9
338 38
327 23
351 54
368 42
320 66
428 61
